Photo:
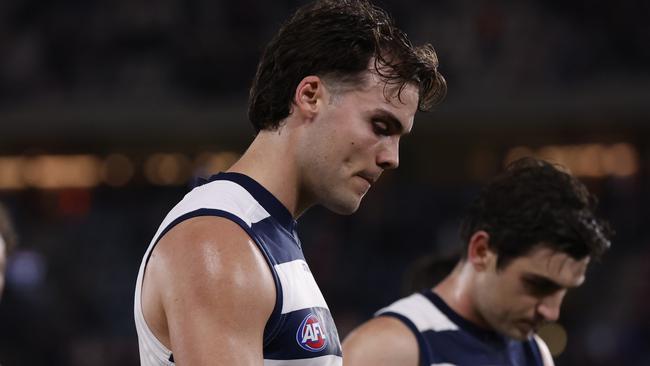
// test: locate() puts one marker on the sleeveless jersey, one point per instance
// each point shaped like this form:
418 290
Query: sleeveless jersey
446 339
300 331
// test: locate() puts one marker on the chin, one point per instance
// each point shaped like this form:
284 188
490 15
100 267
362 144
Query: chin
343 207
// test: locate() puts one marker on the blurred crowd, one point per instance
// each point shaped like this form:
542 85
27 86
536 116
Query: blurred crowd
206 48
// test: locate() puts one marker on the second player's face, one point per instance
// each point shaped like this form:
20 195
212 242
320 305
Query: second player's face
354 138
528 291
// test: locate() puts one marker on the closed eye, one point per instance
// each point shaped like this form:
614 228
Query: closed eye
380 127
385 123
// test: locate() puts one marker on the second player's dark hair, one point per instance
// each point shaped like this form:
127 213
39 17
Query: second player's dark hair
533 203
336 39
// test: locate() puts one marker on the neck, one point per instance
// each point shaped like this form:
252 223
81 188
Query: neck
456 290
270 161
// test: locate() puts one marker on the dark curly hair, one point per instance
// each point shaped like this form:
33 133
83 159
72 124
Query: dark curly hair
534 203
336 39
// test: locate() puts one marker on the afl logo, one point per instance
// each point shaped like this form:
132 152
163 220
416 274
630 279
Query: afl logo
311 336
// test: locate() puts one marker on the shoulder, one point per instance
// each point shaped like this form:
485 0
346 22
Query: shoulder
197 291
208 249
547 358
384 340
205 260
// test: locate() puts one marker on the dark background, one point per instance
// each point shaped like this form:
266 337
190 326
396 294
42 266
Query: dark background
136 97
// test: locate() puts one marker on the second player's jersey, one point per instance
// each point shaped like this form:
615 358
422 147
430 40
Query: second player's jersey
300 331
446 339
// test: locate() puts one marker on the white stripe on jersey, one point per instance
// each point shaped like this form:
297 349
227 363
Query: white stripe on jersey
421 312
232 198
329 360
299 288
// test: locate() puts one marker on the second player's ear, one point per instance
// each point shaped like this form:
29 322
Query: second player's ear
478 250
307 99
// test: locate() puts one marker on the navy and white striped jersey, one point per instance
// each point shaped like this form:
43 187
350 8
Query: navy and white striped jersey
446 339
300 331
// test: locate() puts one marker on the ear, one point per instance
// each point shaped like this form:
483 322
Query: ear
479 253
308 98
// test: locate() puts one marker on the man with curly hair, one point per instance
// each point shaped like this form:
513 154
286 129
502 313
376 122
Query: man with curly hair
224 280
529 237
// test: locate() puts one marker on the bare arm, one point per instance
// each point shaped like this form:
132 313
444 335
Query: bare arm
543 349
382 341
208 294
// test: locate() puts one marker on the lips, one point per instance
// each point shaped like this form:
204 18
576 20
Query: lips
368 177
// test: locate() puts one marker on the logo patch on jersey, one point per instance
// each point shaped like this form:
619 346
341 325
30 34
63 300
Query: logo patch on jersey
311 335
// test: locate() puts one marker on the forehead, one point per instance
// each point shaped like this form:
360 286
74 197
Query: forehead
392 92
558 267
377 94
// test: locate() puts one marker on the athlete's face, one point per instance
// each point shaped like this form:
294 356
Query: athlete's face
517 299
352 140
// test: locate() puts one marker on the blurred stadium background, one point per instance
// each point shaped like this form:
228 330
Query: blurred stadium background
109 109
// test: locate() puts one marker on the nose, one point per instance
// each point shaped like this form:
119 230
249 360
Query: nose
549 307
388 155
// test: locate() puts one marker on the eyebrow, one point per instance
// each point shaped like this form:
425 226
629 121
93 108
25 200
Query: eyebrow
388 117
542 282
